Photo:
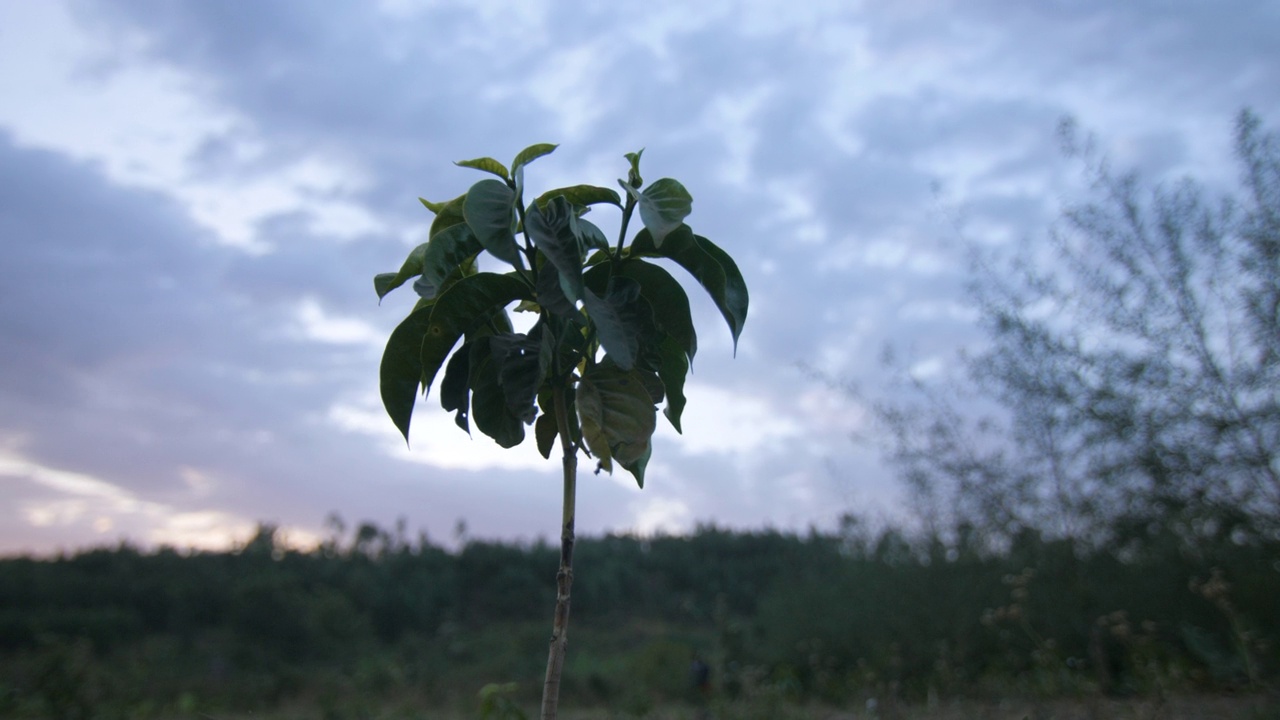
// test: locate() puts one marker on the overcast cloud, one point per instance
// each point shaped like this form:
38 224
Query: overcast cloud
195 196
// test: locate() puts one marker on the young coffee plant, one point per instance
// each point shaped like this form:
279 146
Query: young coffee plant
613 337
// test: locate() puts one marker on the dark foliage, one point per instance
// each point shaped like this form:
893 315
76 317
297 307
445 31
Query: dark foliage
830 616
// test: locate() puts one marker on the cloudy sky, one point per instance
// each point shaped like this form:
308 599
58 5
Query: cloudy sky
194 197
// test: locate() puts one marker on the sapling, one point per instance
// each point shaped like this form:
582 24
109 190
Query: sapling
613 337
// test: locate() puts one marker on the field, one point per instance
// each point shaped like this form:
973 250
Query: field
1206 707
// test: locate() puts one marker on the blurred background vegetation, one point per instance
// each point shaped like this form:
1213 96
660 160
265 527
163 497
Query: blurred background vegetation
372 622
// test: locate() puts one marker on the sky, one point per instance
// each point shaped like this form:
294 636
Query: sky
195 196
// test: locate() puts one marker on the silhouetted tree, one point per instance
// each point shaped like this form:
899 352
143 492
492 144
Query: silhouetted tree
1135 362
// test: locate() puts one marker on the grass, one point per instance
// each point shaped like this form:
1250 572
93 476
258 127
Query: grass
1188 707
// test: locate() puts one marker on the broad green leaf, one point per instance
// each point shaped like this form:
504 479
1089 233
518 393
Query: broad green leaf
591 236
472 301
449 214
384 283
445 253
455 389
487 164
622 320
581 195
401 370
673 367
663 207
488 402
617 414
521 369
711 266
552 231
428 289
736 298
550 294
531 153
669 302
490 212
497 323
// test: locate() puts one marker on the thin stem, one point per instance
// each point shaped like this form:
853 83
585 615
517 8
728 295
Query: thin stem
626 220
530 252
564 577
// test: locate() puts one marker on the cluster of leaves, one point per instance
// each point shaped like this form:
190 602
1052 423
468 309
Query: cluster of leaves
614 332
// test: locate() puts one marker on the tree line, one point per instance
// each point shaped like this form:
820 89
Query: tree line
819 616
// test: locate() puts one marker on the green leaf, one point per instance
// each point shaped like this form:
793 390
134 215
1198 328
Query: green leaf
581 195
736 298
488 401
521 369
652 385
663 207
446 252
472 301
633 175
599 257
401 370
669 302
552 230
486 164
429 290
712 267
497 323
434 258
636 465
448 215
531 153
550 295
455 389
618 416
597 443
673 367
384 283
622 320
490 212
591 236
434 207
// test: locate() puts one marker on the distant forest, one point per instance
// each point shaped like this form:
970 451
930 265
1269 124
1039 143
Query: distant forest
836 618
